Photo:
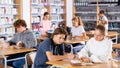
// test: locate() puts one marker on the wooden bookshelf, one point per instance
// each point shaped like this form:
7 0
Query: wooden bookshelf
10 10
56 8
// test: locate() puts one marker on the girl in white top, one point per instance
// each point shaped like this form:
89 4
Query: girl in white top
77 30
98 49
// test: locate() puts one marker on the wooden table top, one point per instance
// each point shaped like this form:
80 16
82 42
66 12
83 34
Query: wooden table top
116 46
10 51
110 33
74 41
67 64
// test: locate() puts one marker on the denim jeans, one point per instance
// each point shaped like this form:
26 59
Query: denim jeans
18 63
77 48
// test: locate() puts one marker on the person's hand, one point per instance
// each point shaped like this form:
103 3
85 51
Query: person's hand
85 59
6 44
70 56
19 44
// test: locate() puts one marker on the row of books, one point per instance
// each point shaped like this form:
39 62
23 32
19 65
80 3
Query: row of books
38 10
48 2
36 19
89 4
8 30
6 1
6 20
8 10
58 10
95 0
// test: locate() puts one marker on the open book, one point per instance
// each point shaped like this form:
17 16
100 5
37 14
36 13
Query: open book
78 62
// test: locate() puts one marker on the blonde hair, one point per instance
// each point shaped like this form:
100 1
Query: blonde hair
77 18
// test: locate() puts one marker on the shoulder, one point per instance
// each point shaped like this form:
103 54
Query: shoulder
91 40
28 32
46 42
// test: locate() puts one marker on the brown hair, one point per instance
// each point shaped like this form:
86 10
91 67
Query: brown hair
78 19
101 12
59 31
46 13
101 28
20 22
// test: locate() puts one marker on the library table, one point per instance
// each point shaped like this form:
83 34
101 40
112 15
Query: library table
116 46
111 34
5 52
67 64
74 41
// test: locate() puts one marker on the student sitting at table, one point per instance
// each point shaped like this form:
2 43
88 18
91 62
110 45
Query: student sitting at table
45 24
52 49
98 49
23 38
77 31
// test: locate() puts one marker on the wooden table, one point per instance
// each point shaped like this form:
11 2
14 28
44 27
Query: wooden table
5 52
74 41
67 64
111 34
10 51
116 46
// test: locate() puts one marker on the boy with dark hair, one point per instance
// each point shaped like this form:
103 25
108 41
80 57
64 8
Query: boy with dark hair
23 38
52 49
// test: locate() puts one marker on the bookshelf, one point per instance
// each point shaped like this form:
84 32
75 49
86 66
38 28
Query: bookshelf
56 8
10 10
86 9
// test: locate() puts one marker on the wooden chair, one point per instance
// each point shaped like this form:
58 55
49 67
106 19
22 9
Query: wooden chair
29 58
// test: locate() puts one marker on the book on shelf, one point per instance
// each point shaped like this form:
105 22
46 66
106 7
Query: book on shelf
35 26
6 1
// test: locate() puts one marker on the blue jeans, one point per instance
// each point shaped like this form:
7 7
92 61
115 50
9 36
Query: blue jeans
77 48
18 63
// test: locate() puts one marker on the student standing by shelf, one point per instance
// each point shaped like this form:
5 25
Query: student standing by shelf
23 38
52 49
103 20
45 24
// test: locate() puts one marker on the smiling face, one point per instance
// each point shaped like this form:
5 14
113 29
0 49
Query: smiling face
59 38
75 23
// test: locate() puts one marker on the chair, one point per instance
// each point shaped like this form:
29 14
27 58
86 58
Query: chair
29 58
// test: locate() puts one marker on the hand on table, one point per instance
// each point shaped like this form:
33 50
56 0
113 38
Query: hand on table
85 59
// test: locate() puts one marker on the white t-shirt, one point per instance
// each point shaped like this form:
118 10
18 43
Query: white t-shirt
104 18
77 31
97 51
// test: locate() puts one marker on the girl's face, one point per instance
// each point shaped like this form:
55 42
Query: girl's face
47 17
75 23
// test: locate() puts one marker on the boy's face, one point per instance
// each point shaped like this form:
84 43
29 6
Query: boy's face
98 35
59 39
20 29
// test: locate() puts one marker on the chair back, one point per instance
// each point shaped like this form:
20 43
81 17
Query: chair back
29 58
